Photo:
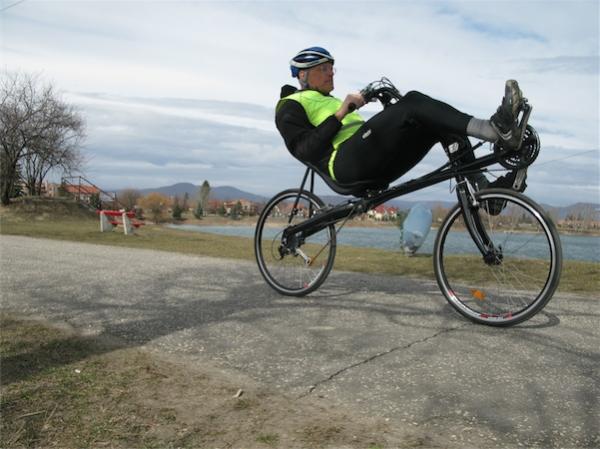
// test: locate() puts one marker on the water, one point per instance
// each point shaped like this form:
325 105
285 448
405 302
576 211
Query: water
575 247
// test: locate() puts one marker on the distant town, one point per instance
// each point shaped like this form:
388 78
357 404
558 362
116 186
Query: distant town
186 201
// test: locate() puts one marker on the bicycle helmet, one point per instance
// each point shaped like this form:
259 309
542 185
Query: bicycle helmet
309 57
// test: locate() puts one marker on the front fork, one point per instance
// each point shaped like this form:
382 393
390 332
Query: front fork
470 213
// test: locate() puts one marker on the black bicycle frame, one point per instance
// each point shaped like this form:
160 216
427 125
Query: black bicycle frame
453 169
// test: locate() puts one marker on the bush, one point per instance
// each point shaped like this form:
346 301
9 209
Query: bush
155 205
177 211
199 212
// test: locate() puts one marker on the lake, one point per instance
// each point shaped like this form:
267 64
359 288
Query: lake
575 247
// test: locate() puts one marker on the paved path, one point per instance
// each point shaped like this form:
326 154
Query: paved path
384 345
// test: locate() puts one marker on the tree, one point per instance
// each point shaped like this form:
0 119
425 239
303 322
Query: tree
38 132
400 217
186 202
177 210
203 194
95 201
237 211
15 189
199 212
62 189
438 213
155 205
129 198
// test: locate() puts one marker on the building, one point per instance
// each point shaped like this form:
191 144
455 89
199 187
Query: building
248 207
80 192
383 213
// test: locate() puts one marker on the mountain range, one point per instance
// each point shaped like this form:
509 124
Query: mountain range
228 193
221 193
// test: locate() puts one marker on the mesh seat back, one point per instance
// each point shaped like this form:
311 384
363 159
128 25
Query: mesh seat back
358 189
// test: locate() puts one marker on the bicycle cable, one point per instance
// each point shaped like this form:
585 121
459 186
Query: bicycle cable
337 231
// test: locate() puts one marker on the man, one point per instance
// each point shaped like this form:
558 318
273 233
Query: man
330 134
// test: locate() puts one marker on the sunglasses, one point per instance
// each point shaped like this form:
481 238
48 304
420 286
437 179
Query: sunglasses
325 68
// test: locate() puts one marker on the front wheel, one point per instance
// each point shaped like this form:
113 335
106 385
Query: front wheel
519 272
300 264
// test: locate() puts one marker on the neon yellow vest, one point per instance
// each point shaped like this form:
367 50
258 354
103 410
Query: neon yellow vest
318 108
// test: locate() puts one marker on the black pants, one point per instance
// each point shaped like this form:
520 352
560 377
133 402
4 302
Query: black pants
396 139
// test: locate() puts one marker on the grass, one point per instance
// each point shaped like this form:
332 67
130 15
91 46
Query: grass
577 277
59 390
270 439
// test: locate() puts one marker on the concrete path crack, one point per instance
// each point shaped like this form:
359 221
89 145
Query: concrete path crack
379 355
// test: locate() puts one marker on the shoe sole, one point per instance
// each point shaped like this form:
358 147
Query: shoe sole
527 108
516 96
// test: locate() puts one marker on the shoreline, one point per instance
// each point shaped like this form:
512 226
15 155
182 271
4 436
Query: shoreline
251 221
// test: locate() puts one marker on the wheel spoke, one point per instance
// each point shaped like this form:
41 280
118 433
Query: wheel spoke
300 264
523 278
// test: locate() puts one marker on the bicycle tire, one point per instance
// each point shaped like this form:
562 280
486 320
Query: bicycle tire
514 286
290 274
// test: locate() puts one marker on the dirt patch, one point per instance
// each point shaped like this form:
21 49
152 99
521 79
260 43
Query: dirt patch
61 389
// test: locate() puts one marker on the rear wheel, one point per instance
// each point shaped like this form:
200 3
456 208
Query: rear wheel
299 265
520 272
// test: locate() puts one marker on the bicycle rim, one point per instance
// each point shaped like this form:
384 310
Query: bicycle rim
297 269
519 281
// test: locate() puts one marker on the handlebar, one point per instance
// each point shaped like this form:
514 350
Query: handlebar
382 90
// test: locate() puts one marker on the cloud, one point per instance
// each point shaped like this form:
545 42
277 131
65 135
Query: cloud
185 91
494 29
142 140
156 141
588 65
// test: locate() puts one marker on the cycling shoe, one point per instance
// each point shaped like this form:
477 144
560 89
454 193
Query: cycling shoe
514 180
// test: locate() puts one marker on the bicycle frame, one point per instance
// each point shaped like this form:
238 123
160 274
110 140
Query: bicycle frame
384 91
452 169
503 293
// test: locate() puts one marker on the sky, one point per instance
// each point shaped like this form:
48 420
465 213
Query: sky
184 91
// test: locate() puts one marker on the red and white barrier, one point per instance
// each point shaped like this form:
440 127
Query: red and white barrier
108 221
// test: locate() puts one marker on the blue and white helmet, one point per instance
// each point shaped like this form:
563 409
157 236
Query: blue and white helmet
309 57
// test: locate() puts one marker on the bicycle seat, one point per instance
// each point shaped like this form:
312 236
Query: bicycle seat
358 189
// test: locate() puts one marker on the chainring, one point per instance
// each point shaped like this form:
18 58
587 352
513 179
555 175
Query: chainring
524 156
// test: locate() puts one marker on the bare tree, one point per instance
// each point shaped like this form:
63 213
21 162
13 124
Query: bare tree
129 198
38 133
58 149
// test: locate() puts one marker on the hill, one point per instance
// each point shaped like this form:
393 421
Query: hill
578 210
178 189
220 193
225 193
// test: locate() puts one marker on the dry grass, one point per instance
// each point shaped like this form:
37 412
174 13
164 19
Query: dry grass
62 390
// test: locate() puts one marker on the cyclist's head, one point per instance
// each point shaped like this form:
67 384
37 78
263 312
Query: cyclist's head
303 67
308 58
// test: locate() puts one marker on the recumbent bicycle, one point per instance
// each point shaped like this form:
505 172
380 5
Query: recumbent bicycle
497 255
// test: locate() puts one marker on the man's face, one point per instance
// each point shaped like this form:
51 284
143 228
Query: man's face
321 77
